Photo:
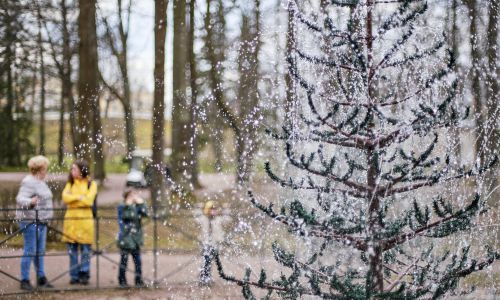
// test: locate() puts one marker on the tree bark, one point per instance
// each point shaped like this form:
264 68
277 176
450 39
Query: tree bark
60 140
244 123
42 84
98 139
375 252
456 144
215 53
87 85
159 104
492 138
121 54
290 104
475 76
66 80
12 157
248 94
182 139
88 88
193 75
64 71
493 95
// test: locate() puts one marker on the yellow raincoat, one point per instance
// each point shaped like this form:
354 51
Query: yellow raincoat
78 221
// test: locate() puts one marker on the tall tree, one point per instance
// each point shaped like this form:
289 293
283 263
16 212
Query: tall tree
87 75
290 104
89 117
159 100
62 55
15 65
42 80
119 49
492 107
475 74
193 105
360 167
215 43
454 42
182 161
248 92
244 118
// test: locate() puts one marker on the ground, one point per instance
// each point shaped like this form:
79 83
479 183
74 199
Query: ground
177 276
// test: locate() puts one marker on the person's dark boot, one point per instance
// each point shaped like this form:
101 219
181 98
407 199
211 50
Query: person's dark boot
123 283
139 283
84 278
26 285
74 281
44 283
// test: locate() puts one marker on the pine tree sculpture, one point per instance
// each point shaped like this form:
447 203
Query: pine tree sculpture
377 99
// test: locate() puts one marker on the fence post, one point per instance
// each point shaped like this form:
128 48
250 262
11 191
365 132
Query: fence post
37 261
155 243
97 246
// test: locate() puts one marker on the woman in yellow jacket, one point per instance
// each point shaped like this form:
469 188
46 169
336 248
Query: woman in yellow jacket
78 195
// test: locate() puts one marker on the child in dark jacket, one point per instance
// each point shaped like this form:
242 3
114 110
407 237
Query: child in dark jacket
130 237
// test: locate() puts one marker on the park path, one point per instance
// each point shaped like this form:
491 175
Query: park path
177 274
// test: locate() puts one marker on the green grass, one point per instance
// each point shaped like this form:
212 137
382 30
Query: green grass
115 147
167 231
113 130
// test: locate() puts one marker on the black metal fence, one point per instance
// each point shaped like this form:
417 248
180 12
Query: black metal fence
177 236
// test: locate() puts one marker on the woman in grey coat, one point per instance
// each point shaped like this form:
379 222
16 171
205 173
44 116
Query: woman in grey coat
34 210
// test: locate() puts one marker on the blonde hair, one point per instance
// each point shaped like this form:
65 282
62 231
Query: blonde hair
38 163
208 206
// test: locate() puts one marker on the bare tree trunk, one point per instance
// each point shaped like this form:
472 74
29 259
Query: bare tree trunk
123 61
129 126
42 84
73 117
120 52
375 254
476 84
98 138
492 105
290 104
64 71
9 108
87 84
492 125
215 52
60 140
194 94
217 140
97 134
68 84
245 123
455 42
88 87
248 94
181 132
159 102
13 157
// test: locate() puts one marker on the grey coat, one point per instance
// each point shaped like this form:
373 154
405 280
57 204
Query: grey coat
30 187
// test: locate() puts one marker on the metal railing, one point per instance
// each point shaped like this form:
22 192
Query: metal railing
158 217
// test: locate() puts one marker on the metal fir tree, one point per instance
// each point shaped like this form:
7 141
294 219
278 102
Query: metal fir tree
385 88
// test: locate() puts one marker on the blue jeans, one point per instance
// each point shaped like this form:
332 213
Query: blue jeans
79 270
35 237
208 253
136 257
